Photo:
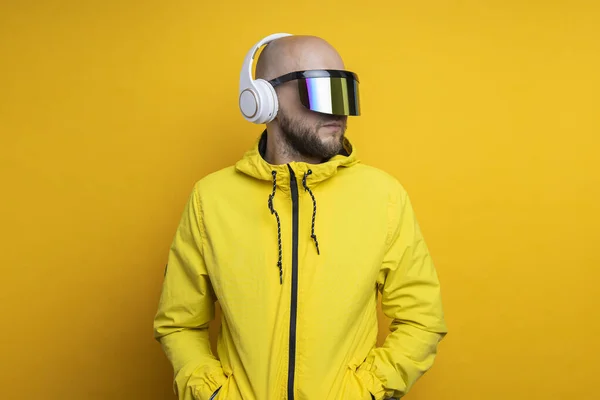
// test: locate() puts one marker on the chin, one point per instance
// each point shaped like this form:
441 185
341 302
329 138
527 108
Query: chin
333 142
330 132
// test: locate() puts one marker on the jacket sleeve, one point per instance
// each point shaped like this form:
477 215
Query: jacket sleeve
186 307
411 298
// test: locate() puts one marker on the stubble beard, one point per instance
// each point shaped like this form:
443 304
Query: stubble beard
303 139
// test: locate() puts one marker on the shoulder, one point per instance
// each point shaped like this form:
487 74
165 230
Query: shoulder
215 183
379 180
217 178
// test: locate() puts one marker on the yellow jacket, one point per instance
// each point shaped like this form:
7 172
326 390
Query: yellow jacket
295 255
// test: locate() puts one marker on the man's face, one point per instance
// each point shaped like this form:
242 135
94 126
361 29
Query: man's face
306 132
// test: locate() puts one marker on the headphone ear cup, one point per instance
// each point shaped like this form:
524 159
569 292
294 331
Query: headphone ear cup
268 103
249 103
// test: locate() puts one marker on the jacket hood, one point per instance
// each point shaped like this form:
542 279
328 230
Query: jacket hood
254 164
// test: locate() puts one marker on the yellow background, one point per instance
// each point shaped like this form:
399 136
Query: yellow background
487 111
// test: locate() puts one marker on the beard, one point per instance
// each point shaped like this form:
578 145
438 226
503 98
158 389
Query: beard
303 139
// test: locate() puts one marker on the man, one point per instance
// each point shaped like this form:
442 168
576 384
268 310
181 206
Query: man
294 241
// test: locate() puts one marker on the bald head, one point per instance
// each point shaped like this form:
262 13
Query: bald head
296 53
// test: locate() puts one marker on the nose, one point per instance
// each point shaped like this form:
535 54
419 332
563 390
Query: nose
336 118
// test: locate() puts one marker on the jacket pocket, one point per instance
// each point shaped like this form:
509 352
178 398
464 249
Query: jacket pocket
229 390
353 388
215 394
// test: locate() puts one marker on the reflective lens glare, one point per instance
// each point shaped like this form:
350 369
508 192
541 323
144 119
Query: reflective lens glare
330 95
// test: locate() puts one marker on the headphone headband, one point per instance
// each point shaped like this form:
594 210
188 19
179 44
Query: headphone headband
246 78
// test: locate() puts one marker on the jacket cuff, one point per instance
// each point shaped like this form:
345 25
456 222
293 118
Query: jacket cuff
371 382
212 384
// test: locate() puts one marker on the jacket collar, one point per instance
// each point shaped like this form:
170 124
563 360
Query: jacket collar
254 164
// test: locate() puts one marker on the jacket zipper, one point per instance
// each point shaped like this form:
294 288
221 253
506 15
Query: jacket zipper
294 302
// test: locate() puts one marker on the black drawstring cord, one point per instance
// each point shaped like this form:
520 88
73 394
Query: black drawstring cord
279 264
313 236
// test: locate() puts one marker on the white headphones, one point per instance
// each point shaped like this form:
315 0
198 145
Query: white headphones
257 99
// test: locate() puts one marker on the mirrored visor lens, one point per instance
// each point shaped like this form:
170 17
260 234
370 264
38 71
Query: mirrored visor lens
330 95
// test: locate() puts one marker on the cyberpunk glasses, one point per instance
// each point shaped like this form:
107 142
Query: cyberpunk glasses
325 91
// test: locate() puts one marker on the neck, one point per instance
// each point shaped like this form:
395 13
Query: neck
278 152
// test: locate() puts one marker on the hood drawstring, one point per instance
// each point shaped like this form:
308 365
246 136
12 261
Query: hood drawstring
273 211
314 215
